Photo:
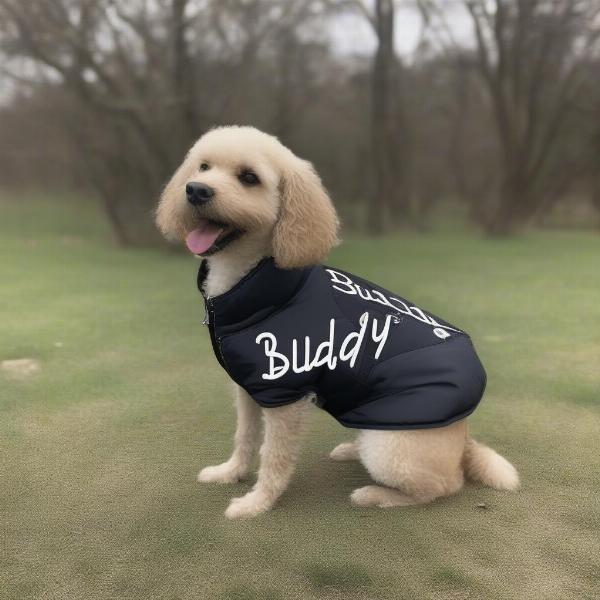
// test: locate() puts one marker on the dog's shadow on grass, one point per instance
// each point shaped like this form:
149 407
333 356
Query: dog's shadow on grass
320 480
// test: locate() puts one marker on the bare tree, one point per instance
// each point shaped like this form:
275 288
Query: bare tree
136 109
529 56
389 134
593 162
147 78
122 88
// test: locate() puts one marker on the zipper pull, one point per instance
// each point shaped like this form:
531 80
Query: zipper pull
206 312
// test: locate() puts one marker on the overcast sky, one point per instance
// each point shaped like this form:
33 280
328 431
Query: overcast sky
352 34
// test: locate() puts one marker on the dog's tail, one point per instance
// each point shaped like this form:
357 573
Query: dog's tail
483 464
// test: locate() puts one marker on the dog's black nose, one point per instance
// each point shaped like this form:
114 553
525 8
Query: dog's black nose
198 193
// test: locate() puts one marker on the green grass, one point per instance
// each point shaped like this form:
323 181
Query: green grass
99 450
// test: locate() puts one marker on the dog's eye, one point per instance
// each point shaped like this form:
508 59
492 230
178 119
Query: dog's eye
249 177
204 166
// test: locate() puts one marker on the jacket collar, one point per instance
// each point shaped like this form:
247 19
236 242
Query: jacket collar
262 291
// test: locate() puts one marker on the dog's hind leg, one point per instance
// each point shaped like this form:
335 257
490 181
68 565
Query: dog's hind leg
345 451
284 427
411 467
246 440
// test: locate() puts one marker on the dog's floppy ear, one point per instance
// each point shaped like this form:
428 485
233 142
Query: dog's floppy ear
166 212
308 224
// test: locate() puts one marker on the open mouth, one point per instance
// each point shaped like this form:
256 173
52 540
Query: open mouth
211 236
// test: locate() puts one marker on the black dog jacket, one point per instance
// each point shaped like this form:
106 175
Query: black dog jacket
373 359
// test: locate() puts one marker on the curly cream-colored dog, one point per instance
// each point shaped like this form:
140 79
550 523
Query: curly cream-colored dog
293 334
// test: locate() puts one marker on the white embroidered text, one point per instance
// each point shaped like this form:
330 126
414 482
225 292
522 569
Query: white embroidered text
280 364
342 283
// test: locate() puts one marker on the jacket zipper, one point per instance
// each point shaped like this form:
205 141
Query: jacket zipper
206 311
209 321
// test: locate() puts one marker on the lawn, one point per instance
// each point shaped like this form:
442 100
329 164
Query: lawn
99 450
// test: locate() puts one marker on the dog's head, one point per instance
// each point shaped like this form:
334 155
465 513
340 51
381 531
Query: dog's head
240 182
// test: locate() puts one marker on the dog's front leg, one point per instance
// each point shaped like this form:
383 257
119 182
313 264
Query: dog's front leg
284 427
245 444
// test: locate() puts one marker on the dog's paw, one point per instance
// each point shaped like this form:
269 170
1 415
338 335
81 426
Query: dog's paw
345 451
364 496
369 495
224 473
248 506
384 497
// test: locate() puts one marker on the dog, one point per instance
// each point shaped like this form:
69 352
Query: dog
239 200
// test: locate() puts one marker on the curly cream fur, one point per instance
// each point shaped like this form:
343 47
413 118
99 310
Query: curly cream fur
291 207
290 217
307 226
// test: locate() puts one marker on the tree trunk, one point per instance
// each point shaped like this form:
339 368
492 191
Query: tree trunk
284 117
596 199
114 218
382 127
513 208
184 83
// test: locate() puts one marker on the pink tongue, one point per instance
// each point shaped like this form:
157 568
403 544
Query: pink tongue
202 238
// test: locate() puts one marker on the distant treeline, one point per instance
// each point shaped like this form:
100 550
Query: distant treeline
107 95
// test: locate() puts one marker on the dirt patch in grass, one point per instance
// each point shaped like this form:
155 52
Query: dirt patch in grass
20 368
